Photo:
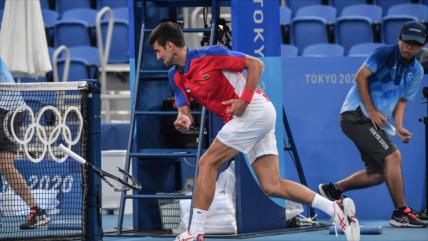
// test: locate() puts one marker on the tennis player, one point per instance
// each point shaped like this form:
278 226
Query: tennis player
8 149
213 77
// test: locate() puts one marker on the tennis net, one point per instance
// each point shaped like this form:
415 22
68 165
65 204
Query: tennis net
43 194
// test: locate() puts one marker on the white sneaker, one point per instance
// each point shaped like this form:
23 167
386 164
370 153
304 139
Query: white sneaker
349 209
186 236
341 219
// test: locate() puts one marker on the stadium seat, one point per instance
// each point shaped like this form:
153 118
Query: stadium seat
121 13
357 24
323 50
285 20
340 4
44 4
78 69
2 4
84 63
295 5
386 4
288 50
112 4
284 15
419 11
83 14
119 51
324 11
64 5
315 21
363 49
368 10
1 16
71 33
49 19
391 26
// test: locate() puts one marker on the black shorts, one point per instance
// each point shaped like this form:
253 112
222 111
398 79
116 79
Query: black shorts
374 145
6 139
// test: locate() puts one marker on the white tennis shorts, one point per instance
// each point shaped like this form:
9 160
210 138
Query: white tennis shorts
253 133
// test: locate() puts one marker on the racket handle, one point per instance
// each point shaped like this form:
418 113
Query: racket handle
72 154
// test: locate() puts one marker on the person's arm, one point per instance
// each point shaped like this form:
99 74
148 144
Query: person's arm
254 68
184 119
377 118
399 110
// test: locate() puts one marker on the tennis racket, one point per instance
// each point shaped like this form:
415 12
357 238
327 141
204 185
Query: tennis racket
118 184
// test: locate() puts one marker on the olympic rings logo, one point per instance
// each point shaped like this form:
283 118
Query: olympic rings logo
47 139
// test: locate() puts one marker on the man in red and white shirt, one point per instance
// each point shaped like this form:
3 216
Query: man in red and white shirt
213 77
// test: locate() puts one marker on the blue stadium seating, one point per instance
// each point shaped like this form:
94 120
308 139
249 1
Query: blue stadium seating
295 5
2 4
89 54
84 63
341 4
419 11
121 13
288 50
78 69
312 20
112 4
44 4
1 16
64 5
71 33
391 26
285 21
119 51
284 15
84 14
368 10
49 19
363 49
323 50
324 11
386 4
356 24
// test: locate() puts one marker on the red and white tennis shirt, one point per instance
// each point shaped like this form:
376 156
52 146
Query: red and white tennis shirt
211 75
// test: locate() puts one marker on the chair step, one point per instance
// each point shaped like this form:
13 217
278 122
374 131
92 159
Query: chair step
163 153
159 196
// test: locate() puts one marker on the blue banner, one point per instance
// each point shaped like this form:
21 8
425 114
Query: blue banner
313 92
255 26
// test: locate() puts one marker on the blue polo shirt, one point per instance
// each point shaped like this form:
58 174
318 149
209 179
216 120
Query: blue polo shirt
5 75
391 80
8 99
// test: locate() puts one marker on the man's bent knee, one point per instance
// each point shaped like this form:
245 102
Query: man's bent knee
394 157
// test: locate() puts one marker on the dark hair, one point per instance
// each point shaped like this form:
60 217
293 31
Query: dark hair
167 31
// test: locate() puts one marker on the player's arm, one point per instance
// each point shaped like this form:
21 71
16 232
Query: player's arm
377 118
254 68
184 119
399 110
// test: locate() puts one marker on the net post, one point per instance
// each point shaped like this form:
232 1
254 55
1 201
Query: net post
93 215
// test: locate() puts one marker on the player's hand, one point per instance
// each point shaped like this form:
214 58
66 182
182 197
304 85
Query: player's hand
182 123
236 106
377 118
404 134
